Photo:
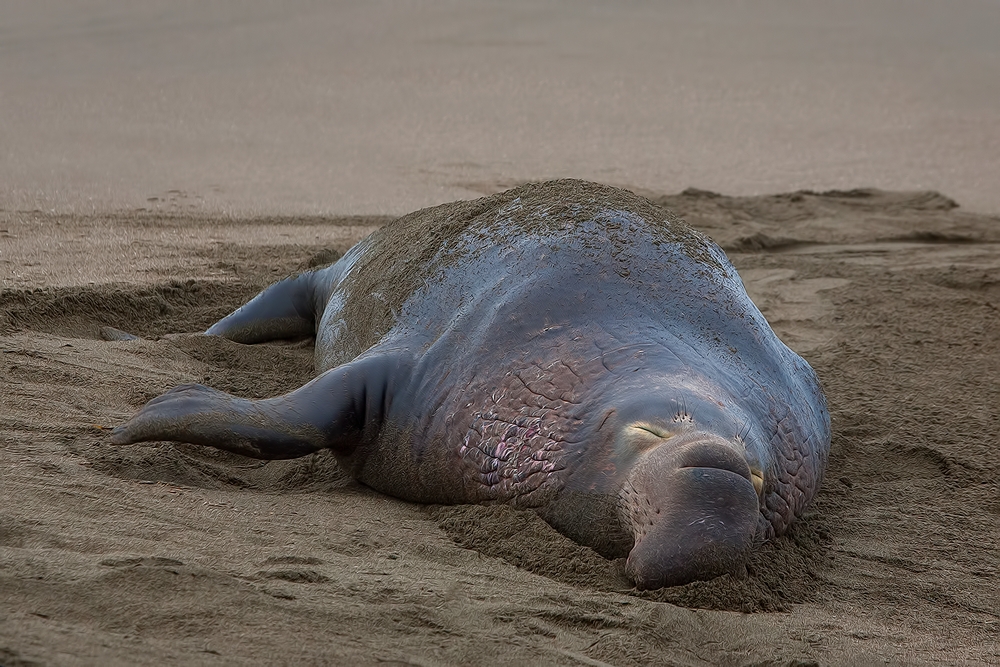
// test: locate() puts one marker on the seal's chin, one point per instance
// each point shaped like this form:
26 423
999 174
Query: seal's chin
694 507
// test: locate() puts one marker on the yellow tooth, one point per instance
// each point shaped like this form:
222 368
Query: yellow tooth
757 478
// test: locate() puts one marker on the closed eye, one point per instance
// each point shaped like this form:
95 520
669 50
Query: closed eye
652 429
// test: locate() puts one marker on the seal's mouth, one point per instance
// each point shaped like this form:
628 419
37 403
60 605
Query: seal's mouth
694 504
757 479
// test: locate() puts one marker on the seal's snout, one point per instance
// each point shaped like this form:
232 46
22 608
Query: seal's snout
694 509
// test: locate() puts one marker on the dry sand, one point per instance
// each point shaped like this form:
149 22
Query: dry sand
387 106
167 553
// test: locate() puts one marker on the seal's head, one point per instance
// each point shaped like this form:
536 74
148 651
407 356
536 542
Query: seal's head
690 484
693 505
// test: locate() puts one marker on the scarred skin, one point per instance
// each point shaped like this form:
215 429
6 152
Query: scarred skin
564 347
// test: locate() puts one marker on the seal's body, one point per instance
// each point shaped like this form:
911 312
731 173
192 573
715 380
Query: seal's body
566 347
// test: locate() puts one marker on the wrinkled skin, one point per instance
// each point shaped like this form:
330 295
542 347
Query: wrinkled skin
565 347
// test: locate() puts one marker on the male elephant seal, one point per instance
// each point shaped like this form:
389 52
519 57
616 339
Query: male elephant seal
566 347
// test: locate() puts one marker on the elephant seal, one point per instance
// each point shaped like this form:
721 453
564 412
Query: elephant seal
564 346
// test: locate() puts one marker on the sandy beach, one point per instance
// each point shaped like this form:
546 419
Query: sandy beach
163 162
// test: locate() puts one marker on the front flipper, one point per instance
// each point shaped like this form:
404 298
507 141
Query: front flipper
286 309
338 410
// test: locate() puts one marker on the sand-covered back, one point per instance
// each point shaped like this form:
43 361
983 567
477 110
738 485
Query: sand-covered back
164 553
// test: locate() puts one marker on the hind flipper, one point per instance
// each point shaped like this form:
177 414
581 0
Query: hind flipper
338 410
286 309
